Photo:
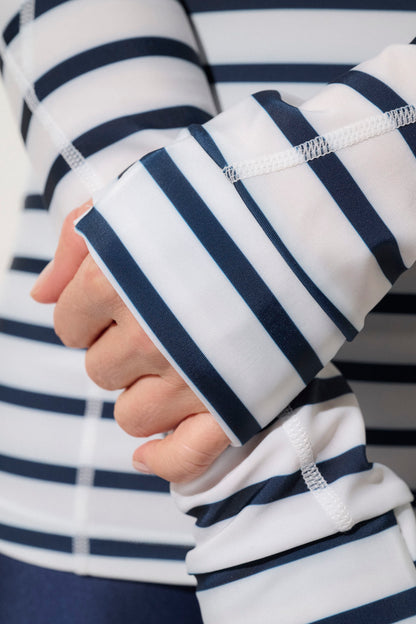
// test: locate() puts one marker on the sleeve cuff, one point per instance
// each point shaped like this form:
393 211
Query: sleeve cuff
250 282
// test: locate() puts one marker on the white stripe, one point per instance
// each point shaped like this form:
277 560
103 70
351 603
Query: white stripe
127 568
317 586
40 367
300 35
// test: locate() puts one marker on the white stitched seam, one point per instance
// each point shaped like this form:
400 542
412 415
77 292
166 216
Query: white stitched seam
68 151
315 482
84 483
354 133
26 17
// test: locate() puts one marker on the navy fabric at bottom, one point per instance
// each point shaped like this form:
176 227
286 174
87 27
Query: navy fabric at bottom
35 595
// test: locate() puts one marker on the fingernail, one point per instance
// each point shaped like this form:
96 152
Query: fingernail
43 276
141 467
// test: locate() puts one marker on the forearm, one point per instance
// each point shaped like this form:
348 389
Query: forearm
292 260
123 79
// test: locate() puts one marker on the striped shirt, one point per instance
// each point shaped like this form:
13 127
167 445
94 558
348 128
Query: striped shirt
276 301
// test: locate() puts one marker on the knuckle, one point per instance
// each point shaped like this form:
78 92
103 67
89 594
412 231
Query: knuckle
100 371
191 463
94 282
139 342
63 331
131 418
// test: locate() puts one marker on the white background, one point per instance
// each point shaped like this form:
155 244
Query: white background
13 172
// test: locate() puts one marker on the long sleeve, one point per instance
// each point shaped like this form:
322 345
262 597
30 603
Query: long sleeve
123 80
297 526
273 231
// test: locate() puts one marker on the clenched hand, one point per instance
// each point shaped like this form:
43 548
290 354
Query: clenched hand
89 314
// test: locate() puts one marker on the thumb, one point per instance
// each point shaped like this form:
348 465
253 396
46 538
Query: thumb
70 253
186 453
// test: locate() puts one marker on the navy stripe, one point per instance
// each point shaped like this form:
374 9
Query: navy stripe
68 474
28 265
396 304
321 390
275 72
109 53
111 548
44 402
130 481
38 470
234 264
203 6
25 120
282 486
391 437
139 550
340 184
114 130
95 58
34 202
11 30
29 331
343 324
360 531
382 96
387 373
166 327
27 537
389 610
107 410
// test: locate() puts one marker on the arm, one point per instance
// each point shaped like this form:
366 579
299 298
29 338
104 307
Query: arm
122 80
293 259
262 541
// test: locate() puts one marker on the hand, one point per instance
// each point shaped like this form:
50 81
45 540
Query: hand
90 314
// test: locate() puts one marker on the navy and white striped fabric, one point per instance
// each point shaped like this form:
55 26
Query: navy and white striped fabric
120 81
283 270
252 286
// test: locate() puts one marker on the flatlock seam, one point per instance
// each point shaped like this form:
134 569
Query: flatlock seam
322 145
72 156
324 494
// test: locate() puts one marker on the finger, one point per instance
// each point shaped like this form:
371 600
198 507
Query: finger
86 307
70 252
154 405
122 354
186 453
